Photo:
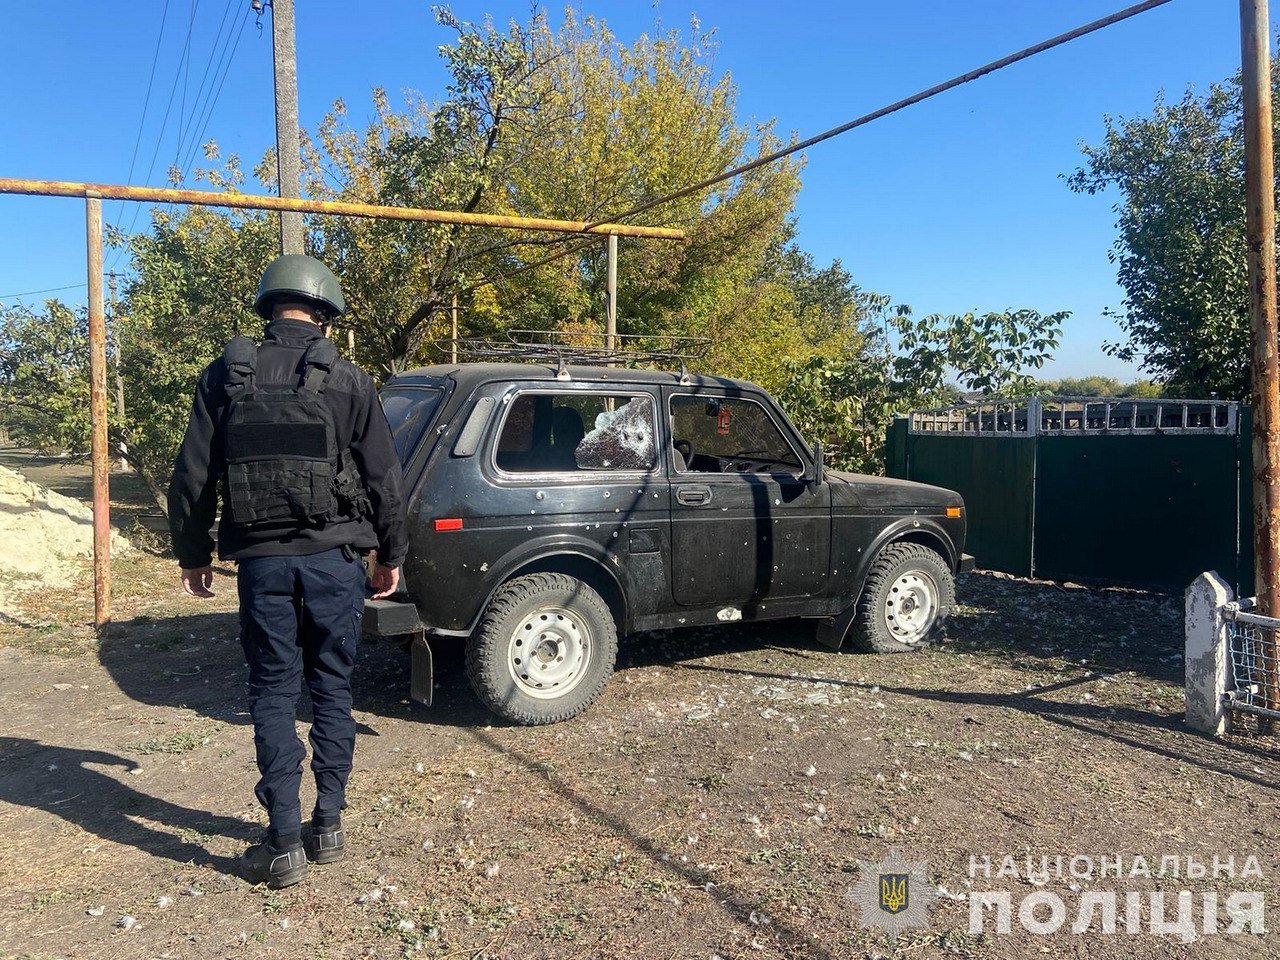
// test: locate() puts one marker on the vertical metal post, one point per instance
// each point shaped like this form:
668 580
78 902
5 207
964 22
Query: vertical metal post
611 288
98 417
288 139
453 330
1260 212
115 322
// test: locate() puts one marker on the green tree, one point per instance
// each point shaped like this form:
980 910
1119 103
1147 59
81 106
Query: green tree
847 401
196 272
44 376
1180 253
563 122
993 354
1098 386
624 123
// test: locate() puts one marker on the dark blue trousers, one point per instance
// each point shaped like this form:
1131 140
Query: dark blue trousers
300 618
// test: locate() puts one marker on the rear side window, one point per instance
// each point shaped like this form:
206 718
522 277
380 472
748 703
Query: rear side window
410 411
571 432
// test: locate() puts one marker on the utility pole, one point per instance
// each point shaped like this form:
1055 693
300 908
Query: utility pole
1260 224
611 293
115 324
288 139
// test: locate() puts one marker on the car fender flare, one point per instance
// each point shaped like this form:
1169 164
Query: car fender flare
833 630
549 547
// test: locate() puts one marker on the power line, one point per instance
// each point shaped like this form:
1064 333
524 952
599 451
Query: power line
32 293
164 124
221 38
915 98
186 75
212 103
142 122
524 268
146 101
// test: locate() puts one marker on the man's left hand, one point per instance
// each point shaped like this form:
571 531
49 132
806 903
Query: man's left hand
196 581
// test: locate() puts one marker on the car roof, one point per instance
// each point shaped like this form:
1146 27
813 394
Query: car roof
470 375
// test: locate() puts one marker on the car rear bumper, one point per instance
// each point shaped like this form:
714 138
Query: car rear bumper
966 563
390 618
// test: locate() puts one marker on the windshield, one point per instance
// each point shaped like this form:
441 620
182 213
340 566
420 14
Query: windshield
410 411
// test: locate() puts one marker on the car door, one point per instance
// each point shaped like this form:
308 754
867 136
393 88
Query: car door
745 524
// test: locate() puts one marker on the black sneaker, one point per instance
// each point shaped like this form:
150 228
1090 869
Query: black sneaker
263 863
327 844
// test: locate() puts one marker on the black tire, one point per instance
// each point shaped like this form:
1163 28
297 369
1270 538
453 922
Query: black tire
579 627
880 626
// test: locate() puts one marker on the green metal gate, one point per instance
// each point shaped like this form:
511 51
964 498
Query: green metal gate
1141 493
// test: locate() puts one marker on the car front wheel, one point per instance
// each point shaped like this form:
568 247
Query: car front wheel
909 593
544 649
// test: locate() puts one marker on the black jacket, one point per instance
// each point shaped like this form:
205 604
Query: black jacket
358 421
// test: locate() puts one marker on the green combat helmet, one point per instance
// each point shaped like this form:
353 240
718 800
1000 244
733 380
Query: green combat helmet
297 276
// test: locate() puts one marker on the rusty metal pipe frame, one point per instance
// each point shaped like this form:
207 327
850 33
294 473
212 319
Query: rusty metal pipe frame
94 193
246 201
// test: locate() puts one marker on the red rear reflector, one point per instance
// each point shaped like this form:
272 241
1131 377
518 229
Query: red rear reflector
953 511
454 523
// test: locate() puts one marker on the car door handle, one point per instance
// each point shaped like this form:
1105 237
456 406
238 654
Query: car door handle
693 496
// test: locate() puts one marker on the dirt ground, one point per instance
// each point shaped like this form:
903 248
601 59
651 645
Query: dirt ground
715 802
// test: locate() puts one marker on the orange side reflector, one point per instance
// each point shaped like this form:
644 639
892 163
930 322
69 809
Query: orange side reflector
453 523
951 512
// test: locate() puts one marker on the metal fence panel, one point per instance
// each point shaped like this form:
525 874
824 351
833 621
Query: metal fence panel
1150 511
1244 499
1141 493
1255 672
995 476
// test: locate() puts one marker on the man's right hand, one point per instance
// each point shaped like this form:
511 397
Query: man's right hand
197 581
385 580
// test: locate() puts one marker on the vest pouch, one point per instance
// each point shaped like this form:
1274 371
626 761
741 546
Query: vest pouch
269 491
280 455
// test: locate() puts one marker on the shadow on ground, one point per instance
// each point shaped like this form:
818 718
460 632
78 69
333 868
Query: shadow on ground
63 781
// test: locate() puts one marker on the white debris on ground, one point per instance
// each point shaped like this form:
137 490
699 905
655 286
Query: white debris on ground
41 531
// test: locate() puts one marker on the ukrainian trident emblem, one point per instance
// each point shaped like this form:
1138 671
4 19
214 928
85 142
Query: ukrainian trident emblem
895 892
893 895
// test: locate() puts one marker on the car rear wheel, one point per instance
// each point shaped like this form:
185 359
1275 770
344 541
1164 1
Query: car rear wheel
908 595
544 649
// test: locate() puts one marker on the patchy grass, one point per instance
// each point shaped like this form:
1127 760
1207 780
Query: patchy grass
180 741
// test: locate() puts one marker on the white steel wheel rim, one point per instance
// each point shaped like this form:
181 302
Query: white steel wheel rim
548 653
911 607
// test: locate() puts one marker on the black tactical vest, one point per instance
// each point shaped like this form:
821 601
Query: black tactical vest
283 459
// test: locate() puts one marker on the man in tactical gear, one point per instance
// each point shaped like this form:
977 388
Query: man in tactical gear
310 479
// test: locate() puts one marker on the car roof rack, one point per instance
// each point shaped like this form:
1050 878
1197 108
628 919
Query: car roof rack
587 348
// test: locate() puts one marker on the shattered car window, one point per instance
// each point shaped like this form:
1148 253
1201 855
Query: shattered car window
567 432
622 439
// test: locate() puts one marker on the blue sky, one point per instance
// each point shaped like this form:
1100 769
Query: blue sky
952 205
